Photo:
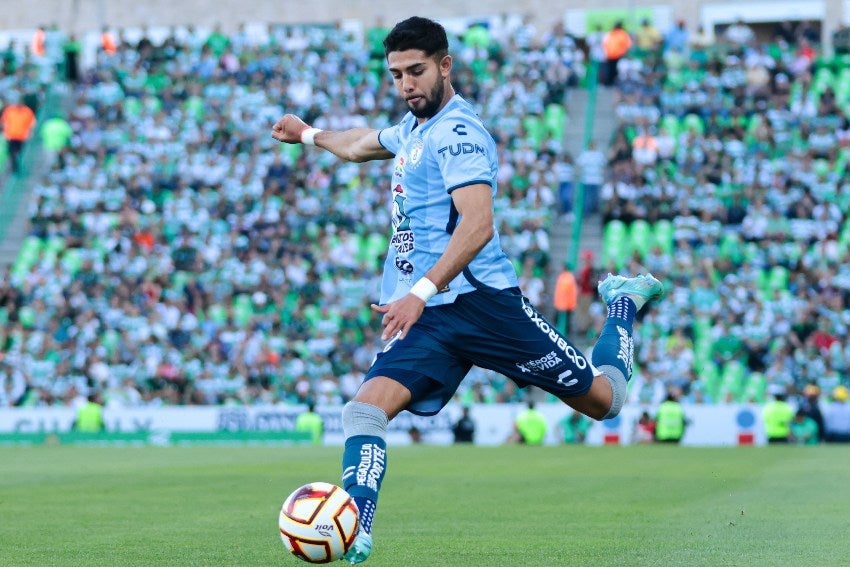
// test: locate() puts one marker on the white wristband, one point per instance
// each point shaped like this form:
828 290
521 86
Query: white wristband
308 135
424 289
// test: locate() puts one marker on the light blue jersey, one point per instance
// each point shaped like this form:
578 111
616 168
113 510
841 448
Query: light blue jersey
449 151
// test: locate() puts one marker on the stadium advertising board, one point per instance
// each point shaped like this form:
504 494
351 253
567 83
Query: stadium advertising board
708 425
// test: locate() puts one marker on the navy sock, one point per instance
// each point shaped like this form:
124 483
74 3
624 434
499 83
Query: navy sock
364 462
614 347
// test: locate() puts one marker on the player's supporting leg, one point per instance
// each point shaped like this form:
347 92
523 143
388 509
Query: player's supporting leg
613 351
364 463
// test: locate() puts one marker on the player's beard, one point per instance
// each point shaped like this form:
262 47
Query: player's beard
431 103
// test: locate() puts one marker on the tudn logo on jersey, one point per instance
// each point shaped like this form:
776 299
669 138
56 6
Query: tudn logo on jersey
399 167
462 148
402 239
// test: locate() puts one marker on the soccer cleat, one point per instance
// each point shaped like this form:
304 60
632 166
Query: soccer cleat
360 550
639 288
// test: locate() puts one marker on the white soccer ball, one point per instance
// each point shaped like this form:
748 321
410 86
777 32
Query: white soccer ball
318 522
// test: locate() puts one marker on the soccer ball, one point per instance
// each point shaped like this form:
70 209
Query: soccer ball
318 522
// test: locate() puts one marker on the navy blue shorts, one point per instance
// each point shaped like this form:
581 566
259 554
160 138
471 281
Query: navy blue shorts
494 329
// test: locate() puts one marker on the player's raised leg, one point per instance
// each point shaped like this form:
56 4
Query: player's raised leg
364 460
613 351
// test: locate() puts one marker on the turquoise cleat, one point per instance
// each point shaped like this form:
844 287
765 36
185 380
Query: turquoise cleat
360 550
639 288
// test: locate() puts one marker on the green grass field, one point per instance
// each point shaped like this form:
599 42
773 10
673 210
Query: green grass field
441 506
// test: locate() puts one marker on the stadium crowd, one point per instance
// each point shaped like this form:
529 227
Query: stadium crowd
179 255
727 178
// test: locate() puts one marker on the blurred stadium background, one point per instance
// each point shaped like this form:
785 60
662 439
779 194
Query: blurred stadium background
159 250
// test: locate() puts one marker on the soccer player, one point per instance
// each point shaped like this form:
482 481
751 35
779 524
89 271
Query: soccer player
449 295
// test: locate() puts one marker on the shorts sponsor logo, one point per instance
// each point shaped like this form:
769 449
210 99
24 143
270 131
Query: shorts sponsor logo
560 342
551 360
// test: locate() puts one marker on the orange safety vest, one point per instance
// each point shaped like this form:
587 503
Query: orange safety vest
17 121
566 292
108 43
38 42
616 43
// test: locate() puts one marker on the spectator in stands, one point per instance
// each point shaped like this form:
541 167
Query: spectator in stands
56 133
586 281
677 38
71 49
699 42
836 416
616 44
647 37
644 149
739 35
13 386
596 51
591 162
18 121
566 175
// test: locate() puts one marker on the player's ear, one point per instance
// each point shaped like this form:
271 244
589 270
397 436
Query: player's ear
445 65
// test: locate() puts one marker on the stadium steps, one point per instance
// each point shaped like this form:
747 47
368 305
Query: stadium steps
18 225
604 124
15 233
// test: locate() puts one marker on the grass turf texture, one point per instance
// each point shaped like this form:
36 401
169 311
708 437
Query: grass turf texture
452 506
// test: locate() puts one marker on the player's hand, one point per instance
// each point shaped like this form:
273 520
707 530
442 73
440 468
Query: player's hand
399 315
288 129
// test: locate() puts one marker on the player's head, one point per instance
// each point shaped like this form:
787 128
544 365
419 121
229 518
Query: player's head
418 33
417 51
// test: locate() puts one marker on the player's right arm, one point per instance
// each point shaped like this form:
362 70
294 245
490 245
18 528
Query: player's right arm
357 144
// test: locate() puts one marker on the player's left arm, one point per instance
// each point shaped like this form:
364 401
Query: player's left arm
474 204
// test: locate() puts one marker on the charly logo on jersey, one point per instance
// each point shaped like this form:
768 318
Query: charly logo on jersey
402 239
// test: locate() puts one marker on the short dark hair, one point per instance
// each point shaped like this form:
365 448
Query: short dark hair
417 33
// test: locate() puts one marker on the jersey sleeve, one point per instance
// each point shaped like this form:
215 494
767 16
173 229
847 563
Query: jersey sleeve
390 138
462 147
